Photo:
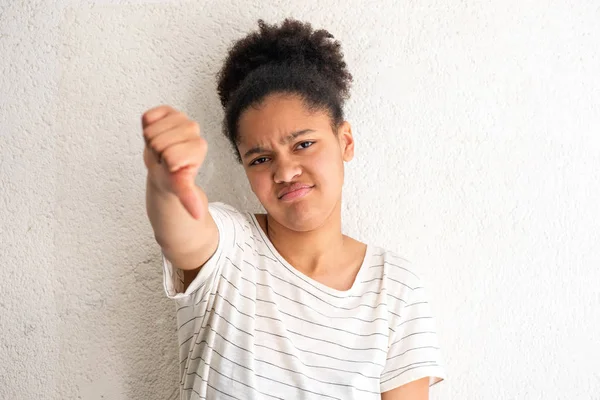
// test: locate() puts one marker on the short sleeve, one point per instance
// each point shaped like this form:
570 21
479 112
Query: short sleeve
230 224
414 351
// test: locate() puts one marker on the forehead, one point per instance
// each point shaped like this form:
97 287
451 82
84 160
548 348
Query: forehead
276 117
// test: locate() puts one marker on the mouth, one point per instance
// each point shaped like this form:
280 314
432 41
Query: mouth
295 191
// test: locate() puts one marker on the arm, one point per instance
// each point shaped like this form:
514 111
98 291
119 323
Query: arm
187 242
414 359
415 390
176 206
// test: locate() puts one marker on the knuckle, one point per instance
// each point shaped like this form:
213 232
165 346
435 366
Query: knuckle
193 125
202 143
156 145
169 157
146 117
149 114
179 115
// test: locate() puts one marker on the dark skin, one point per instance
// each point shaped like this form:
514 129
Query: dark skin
282 144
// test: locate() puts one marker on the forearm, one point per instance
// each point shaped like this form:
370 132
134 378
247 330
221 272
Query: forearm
181 237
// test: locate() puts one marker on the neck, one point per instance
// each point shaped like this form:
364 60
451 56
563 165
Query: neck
312 250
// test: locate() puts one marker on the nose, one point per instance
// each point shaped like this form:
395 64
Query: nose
285 170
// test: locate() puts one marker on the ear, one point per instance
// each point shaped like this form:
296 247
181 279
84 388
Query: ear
346 141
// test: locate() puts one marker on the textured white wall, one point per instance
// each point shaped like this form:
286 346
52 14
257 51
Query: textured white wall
478 134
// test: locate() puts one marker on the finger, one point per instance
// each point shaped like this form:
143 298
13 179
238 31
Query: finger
189 153
188 130
156 113
166 123
185 190
151 157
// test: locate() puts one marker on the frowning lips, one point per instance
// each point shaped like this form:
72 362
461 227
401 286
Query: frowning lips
293 188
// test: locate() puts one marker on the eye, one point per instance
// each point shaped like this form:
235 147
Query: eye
305 145
259 160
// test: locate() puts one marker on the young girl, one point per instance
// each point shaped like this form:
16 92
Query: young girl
282 305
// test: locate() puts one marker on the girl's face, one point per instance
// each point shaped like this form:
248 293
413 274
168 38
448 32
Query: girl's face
293 160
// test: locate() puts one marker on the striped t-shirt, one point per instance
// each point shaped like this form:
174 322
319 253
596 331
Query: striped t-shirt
251 326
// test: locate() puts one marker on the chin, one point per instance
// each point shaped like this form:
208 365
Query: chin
301 220
300 216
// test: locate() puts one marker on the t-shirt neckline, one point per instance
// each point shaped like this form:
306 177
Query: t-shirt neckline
307 279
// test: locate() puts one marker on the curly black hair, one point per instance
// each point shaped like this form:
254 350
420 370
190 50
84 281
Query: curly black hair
290 58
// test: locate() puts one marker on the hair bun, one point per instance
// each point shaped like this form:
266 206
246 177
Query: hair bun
294 43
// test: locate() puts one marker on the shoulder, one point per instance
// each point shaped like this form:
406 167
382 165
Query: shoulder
224 208
399 273
232 222
223 211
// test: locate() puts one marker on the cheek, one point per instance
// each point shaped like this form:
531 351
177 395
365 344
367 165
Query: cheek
328 166
260 183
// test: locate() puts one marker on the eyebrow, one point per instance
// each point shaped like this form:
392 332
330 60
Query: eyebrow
285 140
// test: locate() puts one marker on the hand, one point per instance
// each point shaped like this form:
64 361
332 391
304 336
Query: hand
173 154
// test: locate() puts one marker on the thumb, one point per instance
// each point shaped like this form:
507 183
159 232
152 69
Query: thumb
185 189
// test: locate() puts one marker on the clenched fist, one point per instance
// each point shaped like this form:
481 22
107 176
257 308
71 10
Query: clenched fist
173 154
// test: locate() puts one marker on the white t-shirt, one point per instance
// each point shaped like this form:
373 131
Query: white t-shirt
251 326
